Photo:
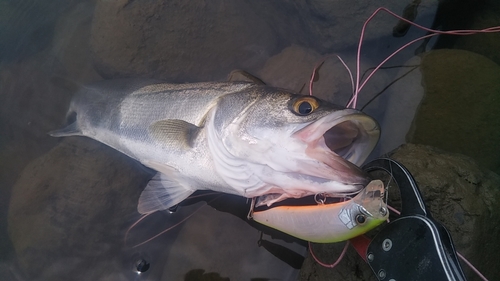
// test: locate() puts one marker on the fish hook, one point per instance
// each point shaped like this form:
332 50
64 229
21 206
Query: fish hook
250 212
320 201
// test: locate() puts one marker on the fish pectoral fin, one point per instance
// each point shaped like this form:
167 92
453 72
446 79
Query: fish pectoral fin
174 133
162 192
70 130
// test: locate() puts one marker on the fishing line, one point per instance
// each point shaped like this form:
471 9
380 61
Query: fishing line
387 67
342 254
172 227
318 66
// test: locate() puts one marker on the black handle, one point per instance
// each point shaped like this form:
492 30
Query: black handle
414 246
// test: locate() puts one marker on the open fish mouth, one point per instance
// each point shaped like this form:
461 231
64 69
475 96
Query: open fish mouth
347 133
337 144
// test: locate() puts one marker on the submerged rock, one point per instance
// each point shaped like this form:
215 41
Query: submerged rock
179 41
69 208
190 41
460 111
292 69
71 211
461 195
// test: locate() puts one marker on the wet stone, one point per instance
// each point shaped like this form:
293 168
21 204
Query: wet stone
69 207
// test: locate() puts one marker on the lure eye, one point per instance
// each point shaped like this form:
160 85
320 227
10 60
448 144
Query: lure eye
360 219
383 211
305 105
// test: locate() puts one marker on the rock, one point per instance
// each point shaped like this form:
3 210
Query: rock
68 210
33 97
201 41
461 107
30 104
292 69
71 210
459 194
37 90
464 197
26 27
71 43
179 41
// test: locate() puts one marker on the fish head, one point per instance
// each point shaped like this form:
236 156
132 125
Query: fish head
292 145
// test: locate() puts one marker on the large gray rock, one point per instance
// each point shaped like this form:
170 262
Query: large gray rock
459 194
180 41
191 41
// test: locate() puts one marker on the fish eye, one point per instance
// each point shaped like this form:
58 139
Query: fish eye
360 219
305 105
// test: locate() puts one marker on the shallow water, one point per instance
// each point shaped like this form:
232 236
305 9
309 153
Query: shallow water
66 204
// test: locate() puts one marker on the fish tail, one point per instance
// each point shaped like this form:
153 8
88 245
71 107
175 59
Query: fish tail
71 130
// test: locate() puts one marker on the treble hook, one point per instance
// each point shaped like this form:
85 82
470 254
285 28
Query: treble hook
250 212
320 201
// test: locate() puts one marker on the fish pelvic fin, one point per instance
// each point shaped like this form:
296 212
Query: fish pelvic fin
174 133
162 192
71 130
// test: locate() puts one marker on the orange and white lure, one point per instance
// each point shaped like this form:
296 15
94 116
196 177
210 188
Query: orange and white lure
328 223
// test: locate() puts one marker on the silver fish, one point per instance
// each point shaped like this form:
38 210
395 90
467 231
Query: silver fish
233 137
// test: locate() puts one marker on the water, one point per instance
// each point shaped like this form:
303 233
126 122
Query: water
65 205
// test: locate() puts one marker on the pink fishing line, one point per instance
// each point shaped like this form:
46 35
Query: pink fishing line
315 71
353 102
326 264
173 226
471 266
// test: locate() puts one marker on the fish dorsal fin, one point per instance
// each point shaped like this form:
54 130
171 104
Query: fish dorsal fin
70 130
163 191
174 133
239 75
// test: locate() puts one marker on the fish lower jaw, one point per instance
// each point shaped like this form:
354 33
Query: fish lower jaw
270 199
280 186
307 199
338 192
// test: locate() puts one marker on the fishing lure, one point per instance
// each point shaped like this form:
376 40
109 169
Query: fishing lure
329 222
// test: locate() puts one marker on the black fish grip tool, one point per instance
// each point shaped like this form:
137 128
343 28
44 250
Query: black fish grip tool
414 246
